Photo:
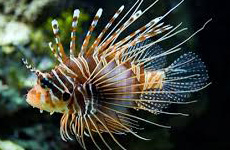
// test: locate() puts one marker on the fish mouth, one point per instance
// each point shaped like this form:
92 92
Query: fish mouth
33 98
38 97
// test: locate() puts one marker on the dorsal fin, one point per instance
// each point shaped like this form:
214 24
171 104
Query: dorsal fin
73 33
89 33
61 51
97 41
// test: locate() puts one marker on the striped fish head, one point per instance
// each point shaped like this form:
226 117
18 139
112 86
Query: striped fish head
45 95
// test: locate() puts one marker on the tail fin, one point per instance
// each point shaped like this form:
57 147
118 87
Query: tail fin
185 75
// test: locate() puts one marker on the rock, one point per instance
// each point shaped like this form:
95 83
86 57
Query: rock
8 145
14 32
25 10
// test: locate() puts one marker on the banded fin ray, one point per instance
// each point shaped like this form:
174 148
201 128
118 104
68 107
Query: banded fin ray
153 50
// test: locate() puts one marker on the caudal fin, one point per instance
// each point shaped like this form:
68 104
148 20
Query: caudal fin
184 76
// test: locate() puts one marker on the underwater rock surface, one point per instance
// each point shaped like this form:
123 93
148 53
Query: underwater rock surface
15 33
8 145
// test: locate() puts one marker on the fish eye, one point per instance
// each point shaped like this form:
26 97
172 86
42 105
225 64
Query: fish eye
45 83
65 96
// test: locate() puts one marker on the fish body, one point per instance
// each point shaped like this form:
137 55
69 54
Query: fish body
96 89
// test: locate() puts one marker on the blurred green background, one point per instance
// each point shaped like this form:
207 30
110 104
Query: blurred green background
25 30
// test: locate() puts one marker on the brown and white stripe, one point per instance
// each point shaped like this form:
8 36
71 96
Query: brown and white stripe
89 33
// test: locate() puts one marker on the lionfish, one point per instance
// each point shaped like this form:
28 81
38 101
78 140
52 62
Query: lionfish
98 89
